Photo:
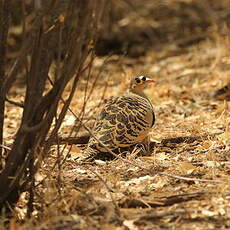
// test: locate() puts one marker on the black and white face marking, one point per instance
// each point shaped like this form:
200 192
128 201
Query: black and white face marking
143 78
139 83
140 79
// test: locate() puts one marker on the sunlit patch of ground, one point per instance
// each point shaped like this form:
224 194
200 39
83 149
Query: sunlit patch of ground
87 196
117 195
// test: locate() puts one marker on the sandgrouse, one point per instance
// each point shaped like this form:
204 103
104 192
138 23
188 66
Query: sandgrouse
123 122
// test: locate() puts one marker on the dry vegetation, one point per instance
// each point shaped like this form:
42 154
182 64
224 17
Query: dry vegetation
188 56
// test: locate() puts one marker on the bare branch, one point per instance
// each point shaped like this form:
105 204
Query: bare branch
4 26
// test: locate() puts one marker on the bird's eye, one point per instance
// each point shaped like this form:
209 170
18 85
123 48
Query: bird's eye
143 78
137 80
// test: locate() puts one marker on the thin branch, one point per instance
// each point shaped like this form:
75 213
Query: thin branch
192 179
5 147
21 105
4 27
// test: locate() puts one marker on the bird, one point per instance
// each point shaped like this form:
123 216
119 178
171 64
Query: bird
123 122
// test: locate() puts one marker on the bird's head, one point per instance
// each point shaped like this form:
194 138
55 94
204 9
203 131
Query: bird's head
139 83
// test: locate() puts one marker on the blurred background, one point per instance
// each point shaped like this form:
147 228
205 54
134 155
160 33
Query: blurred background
135 27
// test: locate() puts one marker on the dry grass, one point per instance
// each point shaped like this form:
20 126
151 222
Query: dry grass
73 197
116 195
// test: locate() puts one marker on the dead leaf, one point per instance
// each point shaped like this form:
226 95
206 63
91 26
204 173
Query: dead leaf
130 224
225 136
186 168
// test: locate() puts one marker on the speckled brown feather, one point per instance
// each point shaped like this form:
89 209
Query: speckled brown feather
124 121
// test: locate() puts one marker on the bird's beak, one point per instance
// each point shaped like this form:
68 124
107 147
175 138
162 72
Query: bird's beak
149 80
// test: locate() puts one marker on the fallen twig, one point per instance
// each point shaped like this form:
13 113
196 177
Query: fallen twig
187 139
21 105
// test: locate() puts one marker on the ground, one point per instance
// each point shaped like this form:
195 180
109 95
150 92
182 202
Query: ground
194 192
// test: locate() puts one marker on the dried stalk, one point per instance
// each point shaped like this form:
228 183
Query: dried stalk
4 27
39 108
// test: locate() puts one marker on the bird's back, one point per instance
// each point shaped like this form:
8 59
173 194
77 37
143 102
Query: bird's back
124 121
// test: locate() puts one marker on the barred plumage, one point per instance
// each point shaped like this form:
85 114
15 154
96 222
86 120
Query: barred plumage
124 121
